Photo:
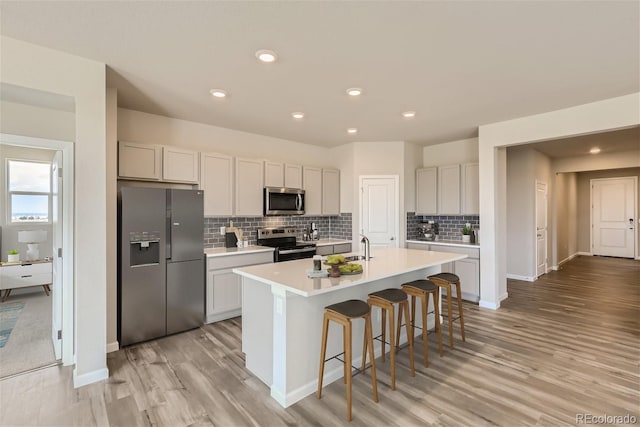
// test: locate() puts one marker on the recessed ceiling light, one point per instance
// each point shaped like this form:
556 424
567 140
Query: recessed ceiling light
594 150
354 91
352 131
218 93
266 55
409 114
297 115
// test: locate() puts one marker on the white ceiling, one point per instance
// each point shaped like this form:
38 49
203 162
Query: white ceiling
458 64
625 140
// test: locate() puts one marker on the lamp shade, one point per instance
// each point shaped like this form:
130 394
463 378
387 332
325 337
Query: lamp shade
32 236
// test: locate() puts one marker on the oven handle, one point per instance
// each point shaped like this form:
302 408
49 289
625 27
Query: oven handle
295 251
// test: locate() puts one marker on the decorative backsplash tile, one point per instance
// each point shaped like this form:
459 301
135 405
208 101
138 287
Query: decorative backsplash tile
450 226
337 227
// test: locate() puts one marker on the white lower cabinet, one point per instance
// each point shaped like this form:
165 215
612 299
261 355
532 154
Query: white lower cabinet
224 290
468 269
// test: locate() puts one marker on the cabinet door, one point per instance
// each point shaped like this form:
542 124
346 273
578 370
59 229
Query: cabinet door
418 246
226 295
292 176
139 161
449 190
216 179
426 191
312 184
470 189
468 270
179 165
249 187
324 250
330 192
273 174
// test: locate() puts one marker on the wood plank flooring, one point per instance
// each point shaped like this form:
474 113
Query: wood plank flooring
566 344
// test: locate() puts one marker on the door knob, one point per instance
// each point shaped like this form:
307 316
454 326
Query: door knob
392 238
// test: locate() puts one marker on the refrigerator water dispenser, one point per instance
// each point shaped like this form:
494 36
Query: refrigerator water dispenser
145 248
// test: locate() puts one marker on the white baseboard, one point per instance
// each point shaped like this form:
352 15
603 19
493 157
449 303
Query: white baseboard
519 277
113 346
584 253
89 377
503 297
567 259
489 304
211 318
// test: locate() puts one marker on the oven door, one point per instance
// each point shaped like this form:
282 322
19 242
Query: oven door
292 254
283 201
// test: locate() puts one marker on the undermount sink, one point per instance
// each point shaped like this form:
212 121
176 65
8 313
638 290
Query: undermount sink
355 258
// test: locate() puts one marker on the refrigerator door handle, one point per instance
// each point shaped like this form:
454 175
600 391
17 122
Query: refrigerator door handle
168 234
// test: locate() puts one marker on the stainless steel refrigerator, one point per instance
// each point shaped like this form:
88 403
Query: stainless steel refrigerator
161 271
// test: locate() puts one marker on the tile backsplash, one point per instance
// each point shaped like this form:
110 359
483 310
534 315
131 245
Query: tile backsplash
337 227
450 225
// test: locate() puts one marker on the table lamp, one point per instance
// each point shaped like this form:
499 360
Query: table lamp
32 238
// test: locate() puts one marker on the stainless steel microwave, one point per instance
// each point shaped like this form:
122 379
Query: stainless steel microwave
283 201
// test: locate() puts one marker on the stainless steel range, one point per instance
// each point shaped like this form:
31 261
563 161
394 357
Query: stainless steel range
286 244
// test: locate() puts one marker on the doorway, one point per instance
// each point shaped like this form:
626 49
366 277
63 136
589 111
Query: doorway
613 207
379 207
541 228
59 306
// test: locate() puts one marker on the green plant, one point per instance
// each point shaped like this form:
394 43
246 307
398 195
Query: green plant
13 252
466 229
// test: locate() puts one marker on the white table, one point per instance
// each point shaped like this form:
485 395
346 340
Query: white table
23 275
282 313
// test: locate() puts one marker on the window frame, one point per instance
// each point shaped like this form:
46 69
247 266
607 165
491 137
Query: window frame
10 193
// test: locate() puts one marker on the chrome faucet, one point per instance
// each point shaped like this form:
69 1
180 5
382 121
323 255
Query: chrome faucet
367 248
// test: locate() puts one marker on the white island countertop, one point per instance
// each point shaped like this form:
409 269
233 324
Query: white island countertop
213 252
385 262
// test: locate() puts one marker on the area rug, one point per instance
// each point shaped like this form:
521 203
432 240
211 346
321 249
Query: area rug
9 313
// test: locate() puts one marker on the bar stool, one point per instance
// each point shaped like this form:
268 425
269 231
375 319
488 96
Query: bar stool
343 313
445 280
422 289
385 300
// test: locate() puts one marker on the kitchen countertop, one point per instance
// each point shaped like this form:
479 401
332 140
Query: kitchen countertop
385 263
457 243
213 252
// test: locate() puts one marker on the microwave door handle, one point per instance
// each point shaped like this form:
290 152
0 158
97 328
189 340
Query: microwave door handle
299 202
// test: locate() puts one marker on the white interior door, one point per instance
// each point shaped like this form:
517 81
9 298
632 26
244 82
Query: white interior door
541 228
379 210
56 284
613 206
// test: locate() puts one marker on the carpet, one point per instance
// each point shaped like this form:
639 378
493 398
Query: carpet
30 344
9 312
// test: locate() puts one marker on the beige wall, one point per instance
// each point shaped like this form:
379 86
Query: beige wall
112 218
10 231
38 122
584 200
564 235
30 66
451 153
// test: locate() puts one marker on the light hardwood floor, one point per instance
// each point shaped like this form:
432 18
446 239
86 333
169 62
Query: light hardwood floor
566 344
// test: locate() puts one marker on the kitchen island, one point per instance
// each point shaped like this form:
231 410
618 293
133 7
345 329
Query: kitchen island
282 313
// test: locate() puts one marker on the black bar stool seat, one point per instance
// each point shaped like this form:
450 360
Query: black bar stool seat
352 308
392 294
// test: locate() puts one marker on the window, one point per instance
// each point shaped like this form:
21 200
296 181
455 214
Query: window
29 185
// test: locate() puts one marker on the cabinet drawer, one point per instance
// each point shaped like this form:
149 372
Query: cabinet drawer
419 246
232 261
342 248
470 252
22 270
11 282
324 250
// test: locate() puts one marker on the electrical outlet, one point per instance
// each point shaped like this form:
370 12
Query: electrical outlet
222 230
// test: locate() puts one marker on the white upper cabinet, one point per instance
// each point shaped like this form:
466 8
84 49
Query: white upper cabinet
426 191
216 179
312 185
330 192
449 190
139 161
292 176
273 174
470 189
249 187
179 165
